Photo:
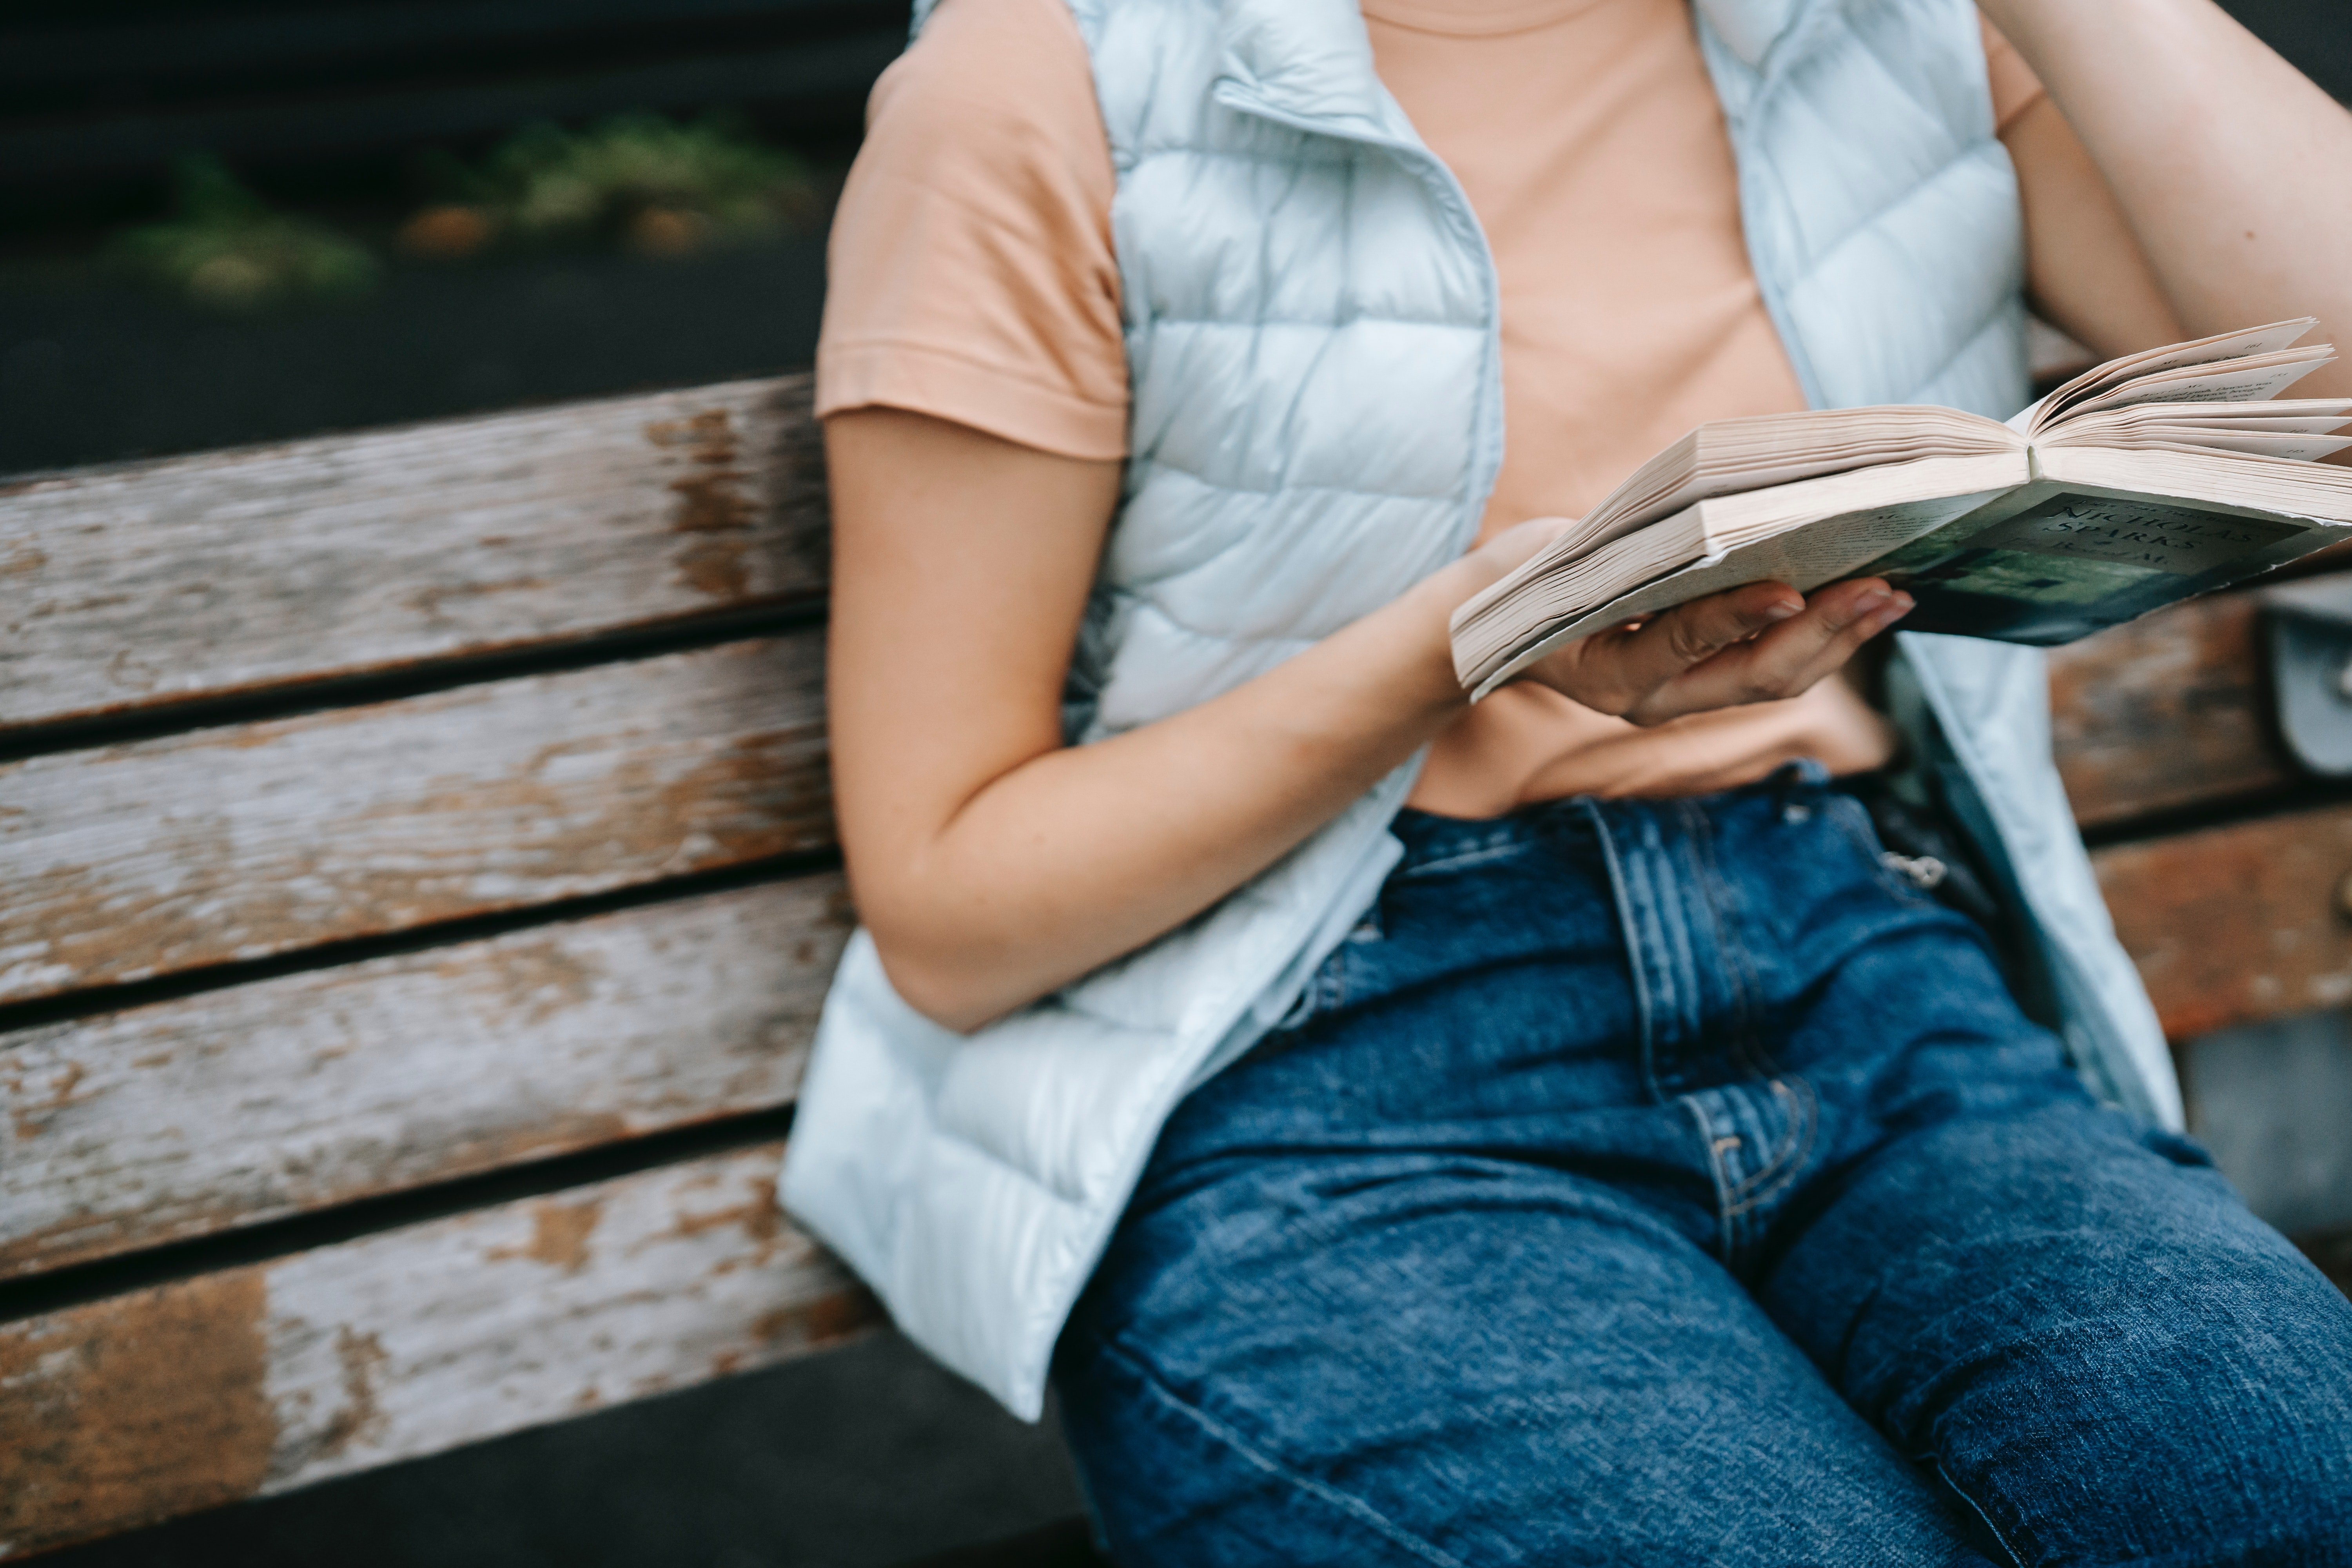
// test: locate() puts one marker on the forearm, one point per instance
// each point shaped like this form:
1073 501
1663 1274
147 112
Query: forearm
994 864
2225 158
1083 854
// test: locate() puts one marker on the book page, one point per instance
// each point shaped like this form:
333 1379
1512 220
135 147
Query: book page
2301 431
2104 378
2249 380
1804 558
1726 457
2313 490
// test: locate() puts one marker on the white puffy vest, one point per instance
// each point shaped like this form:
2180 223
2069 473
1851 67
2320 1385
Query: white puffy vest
1312 333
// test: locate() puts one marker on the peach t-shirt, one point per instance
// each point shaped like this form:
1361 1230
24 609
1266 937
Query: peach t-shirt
972 278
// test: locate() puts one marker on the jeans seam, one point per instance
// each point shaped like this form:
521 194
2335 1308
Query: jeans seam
1746 1046
1706 1136
1646 1002
1348 1504
1788 1162
1935 1462
1478 856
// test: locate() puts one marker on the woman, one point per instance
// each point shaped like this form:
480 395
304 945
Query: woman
1558 1130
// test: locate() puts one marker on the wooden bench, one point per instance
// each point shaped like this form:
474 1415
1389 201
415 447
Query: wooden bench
420 890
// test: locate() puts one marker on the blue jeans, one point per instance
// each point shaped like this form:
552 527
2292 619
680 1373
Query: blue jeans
1671 1182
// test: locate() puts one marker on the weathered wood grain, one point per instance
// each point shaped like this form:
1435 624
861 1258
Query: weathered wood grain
128 587
2167 711
158 855
2237 923
195 1116
263 1378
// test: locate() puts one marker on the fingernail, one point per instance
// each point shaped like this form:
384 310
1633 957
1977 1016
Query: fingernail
1869 604
1781 610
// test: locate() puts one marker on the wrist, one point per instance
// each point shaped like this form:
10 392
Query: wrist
1428 608
1399 660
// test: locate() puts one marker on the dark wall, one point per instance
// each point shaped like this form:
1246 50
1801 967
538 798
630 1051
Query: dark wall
2315 34
96 99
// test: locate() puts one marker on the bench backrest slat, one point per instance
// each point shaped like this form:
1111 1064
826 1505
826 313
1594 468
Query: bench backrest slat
2166 712
253 1380
138 585
2238 923
251 1102
155 857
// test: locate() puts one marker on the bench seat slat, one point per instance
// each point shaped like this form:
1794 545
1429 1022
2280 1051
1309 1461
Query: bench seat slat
2234 924
137 585
254 1380
249 1103
160 855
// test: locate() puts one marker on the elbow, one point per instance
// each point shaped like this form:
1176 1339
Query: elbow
948 988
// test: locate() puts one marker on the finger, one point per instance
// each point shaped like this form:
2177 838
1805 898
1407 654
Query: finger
1786 662
1776 666
1618 670
1841 649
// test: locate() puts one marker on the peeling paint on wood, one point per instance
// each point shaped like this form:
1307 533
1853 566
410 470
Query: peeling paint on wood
149 582
179 1372
2165 712
265 1378
2237 923
168 855
195 1116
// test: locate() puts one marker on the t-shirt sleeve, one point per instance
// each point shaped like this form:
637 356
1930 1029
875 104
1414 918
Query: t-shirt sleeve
970 270
2015 88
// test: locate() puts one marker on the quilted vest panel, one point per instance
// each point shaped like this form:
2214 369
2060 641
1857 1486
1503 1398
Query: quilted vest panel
1311 334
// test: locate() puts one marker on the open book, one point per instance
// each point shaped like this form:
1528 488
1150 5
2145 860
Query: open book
2146 479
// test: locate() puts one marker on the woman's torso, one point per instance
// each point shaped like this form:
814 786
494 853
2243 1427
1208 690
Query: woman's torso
974 280
1592 145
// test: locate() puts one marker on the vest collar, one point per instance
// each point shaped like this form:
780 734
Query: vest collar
1750 27
1308 62
1324 78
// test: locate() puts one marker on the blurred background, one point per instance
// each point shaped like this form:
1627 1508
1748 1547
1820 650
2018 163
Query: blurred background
227 224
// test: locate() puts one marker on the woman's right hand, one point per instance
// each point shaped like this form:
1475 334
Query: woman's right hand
1761 643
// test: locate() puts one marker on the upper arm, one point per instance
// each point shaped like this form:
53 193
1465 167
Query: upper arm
961 567
972 376
2086 273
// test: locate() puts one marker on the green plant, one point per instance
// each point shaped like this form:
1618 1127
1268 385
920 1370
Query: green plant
659 185
224 246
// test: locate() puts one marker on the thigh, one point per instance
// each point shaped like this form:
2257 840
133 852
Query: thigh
2090 1340
1401 1359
